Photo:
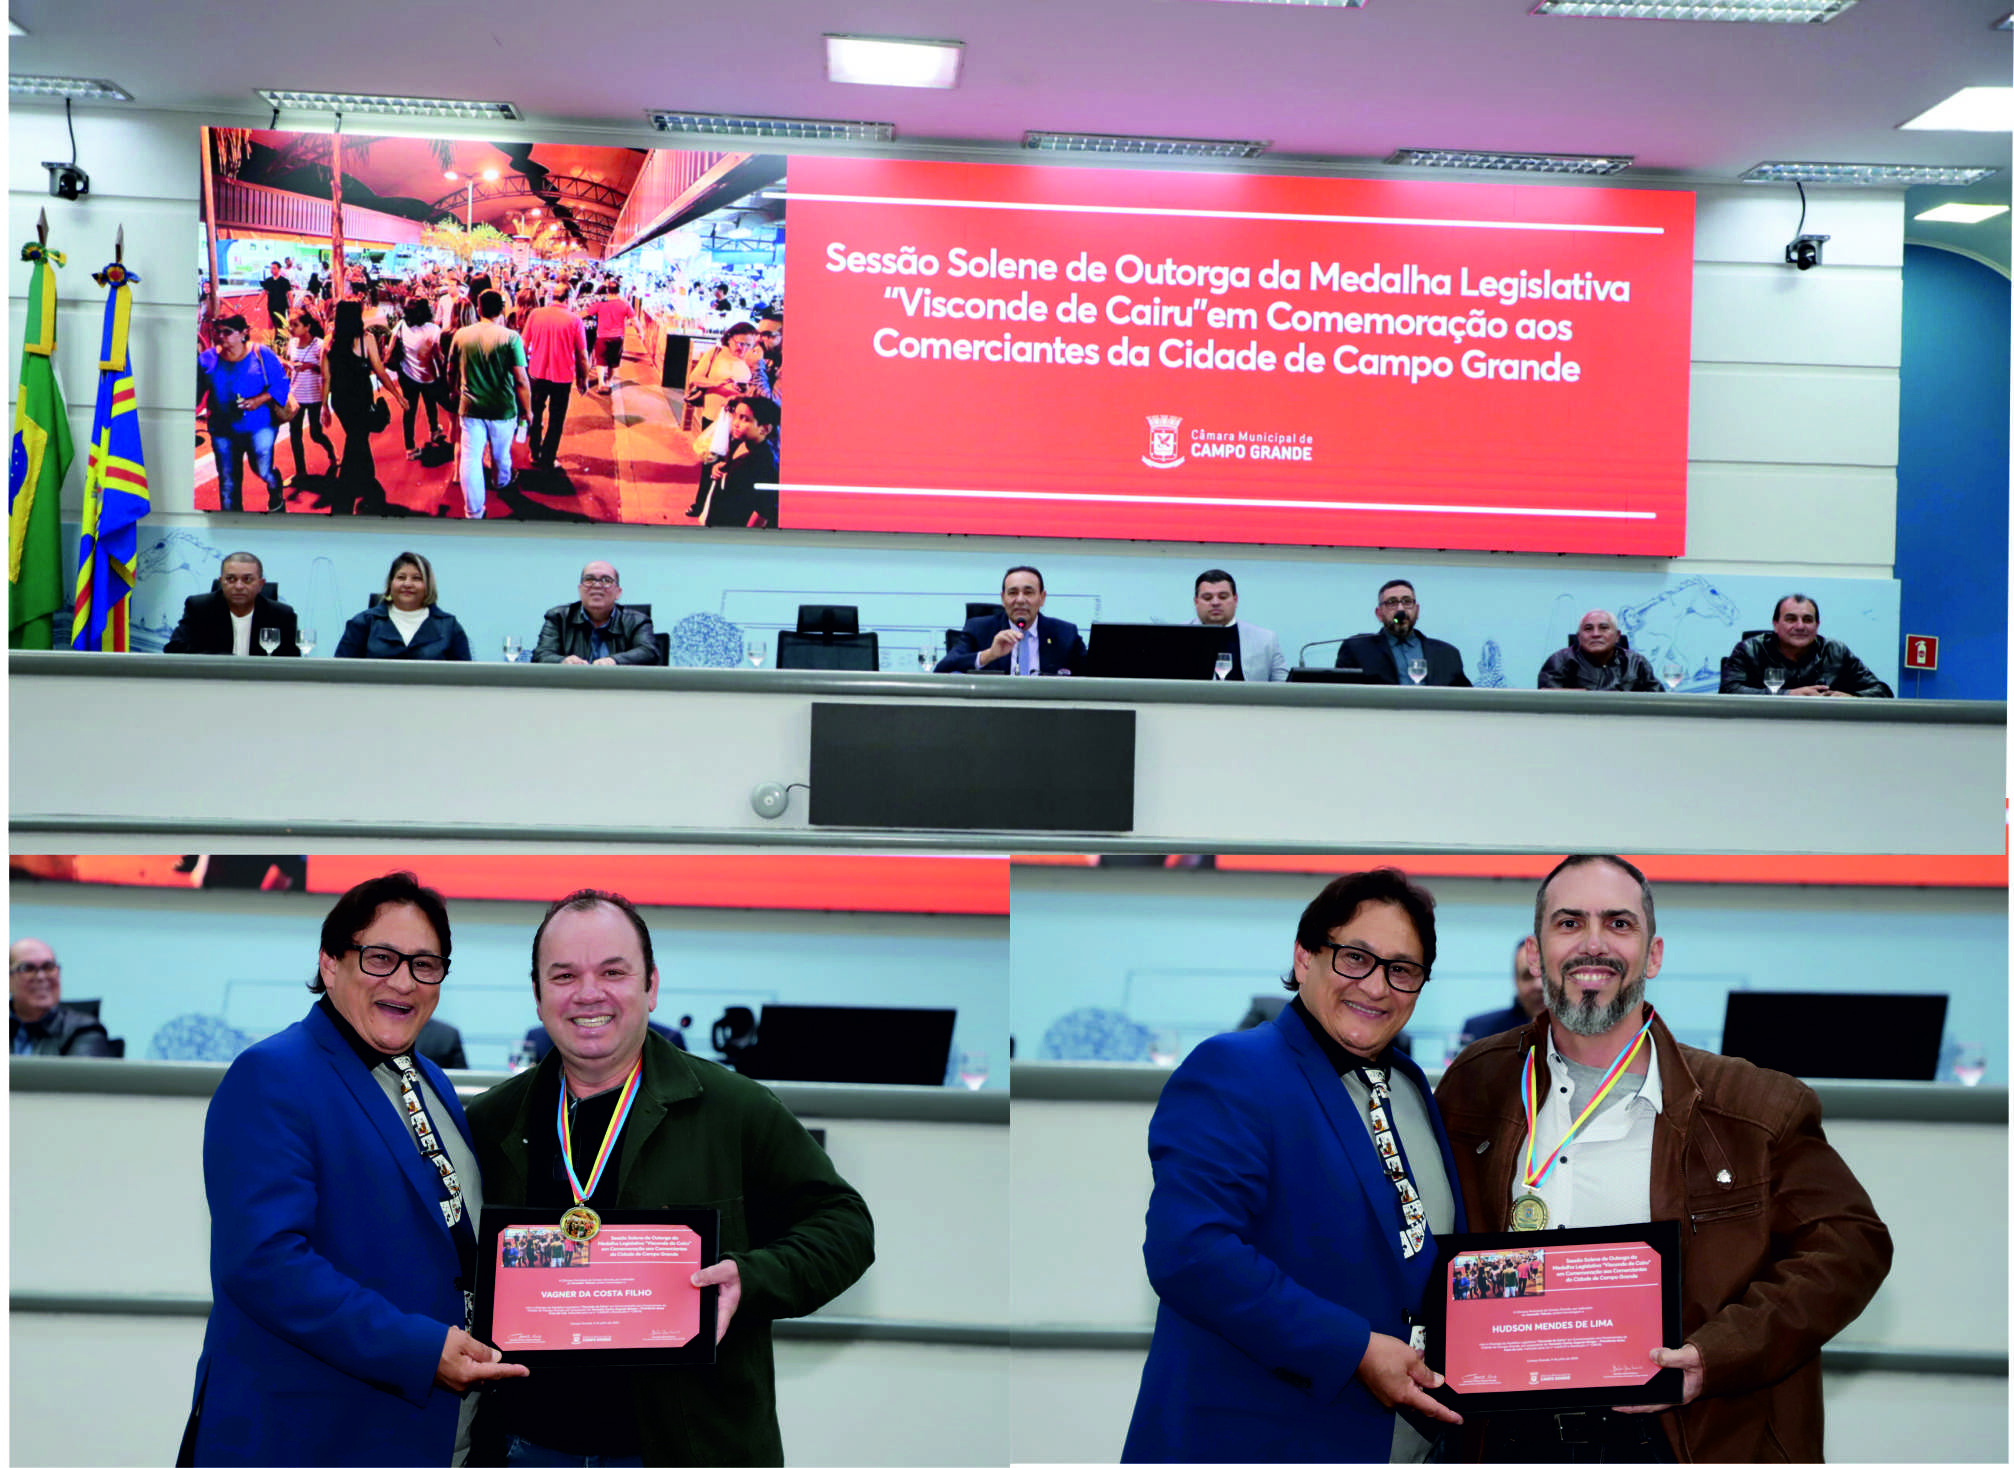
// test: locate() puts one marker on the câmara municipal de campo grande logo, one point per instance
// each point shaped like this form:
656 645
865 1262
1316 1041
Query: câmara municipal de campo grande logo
1162 452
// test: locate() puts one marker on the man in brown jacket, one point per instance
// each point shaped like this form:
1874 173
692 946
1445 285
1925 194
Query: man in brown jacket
1781 1248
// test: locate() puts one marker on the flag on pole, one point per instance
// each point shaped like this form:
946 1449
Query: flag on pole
115 484
35 468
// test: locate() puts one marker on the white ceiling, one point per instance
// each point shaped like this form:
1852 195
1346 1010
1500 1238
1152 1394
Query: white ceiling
1692 101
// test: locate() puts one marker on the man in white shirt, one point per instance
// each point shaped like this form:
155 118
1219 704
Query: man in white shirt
1259 657
1779 1246
230 620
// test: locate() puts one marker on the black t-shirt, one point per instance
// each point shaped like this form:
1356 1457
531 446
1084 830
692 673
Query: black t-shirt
590 1412
278 288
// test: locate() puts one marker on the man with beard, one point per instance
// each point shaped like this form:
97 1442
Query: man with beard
1389 654
1780 1248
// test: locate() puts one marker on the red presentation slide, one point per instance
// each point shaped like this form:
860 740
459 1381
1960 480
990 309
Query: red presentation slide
1553 1318
629 1287
992 349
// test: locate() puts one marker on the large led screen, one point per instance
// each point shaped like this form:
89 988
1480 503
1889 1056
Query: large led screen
979 349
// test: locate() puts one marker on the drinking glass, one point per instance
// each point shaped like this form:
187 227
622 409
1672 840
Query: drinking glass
1164 1046
1772 679
304 639
972 1069
269 639
1673 673
757 651
1223 668
513 649
1968 1067
1417 670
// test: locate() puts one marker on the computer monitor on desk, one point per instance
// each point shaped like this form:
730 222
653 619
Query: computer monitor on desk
1307 674
1152 650
1852 1037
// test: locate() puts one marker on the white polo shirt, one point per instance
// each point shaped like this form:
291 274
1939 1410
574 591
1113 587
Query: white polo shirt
1603 1177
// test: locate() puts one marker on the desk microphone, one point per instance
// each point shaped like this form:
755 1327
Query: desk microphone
1302 658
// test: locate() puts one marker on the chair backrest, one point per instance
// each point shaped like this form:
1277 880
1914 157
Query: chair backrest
980 609
858 653
663 641
828 621
1753 632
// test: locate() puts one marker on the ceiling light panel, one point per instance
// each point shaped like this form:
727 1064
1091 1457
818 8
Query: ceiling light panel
364 103
725 124
1865 174
81 89
1144 147
877 61
1767 12
1970 110
1511 162
1963 213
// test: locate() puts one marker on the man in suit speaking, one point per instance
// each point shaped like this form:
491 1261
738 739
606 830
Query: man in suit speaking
1017 638
1259 657
1390 653
230 620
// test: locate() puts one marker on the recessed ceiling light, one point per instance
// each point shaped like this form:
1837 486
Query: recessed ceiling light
1970 110
1153 147
1775 12
1865 173
363 102
1511 162
81 89
1962 213
726 124
877 61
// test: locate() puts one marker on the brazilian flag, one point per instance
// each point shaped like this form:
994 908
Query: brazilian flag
35 469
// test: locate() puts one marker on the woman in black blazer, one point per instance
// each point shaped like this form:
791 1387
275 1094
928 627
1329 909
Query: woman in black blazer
407 623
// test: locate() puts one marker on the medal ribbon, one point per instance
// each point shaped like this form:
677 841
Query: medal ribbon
623 1102
1534 1176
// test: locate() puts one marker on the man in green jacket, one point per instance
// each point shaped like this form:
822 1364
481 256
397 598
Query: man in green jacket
792 1234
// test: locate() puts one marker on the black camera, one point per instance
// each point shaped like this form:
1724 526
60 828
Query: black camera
67 181
1806 251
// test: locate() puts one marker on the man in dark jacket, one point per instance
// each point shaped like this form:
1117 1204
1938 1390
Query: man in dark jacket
597 628
1389 653
793 1235
38 1022
1527 1004
228 621
1598 658
1811 665
1779 1246
1017 638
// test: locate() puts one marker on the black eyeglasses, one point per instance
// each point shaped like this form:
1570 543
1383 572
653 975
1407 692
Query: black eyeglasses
381 962
1398 601
1355 963
597 581
35 970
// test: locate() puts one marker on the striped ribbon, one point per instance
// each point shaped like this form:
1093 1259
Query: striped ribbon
1533 1178
622 1105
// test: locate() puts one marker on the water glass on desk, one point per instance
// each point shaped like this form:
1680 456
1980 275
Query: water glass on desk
304 639
757 651
513 649
1417 670
1223 667
269 640
1672 673
972 1069
1772 679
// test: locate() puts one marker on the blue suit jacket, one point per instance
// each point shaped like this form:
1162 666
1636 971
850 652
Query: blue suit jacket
1057 643
1272 1240
370 634
332 1271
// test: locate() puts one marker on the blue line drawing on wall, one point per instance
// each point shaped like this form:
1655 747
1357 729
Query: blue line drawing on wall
706 640
179 565
1489 671
1688 623
197 1037
1095 1034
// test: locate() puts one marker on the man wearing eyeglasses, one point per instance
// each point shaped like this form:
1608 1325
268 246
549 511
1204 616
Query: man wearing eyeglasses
1396 651
1300 1174
597 629
343 1195
38 1021
1780 1247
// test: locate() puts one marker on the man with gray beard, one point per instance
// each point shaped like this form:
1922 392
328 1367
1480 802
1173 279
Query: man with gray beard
1780 1248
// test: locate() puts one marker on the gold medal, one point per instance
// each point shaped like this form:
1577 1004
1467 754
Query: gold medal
1528 1214
583 1223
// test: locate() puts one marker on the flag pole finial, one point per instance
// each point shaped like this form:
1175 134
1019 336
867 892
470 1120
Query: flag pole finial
42 229
119 246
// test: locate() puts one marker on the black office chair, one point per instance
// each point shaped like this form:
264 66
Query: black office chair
829 639
980 609
271 588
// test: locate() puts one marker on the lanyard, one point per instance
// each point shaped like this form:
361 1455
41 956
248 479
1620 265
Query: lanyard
626 1100
1534 1172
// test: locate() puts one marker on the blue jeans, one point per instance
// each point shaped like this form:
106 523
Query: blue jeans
495 434
230 450
525 1454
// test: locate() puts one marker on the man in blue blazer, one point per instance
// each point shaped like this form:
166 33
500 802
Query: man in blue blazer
1291 1258
1385 654
342 1215
1017 638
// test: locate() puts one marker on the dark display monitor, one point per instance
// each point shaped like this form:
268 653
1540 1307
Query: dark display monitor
1852 1037
854 1044
1152 650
